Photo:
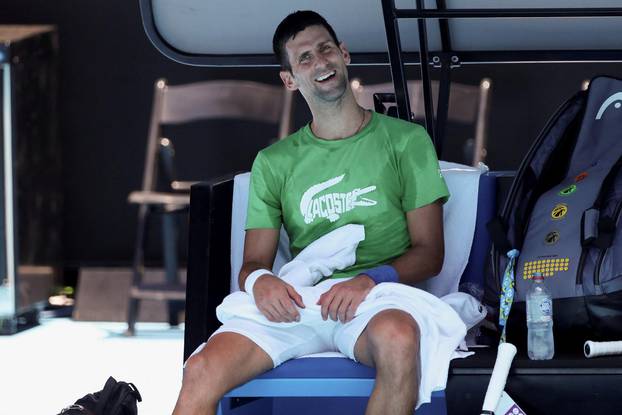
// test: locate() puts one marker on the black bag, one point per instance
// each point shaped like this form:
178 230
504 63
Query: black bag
563 214
117 398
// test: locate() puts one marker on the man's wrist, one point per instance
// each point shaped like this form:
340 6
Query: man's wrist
382 273
368 279
252 278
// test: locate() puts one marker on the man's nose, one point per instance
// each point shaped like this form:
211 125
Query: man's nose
321 61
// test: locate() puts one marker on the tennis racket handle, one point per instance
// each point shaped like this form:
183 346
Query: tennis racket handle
505 355
593 349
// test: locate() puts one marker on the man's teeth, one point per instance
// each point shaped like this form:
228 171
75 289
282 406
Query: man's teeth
325 76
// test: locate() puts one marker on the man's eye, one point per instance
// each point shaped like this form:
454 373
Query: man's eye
304 58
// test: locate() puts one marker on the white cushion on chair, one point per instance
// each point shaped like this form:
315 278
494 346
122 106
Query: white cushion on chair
241 184
459 216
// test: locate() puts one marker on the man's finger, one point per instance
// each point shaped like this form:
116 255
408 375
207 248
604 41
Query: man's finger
325 301
290 310
319 300
280 305
343 309
267 314
354 305
326 296
278 312
334 306
293 294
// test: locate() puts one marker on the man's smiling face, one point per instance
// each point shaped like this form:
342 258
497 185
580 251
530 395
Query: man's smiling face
318 65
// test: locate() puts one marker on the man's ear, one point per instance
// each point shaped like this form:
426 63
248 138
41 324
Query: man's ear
345 53
288 80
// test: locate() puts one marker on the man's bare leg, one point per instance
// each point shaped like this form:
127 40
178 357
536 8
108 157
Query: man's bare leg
228 360
390 343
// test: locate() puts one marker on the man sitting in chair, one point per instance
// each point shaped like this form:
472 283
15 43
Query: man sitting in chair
348 165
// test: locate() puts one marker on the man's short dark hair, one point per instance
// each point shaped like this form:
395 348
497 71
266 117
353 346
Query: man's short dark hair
290 27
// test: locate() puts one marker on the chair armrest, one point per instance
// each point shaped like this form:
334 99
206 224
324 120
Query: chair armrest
209 269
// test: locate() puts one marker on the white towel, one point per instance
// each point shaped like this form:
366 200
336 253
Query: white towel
465 308
441 327
333 251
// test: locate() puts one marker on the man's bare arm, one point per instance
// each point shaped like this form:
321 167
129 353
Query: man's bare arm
423 260
425 257
259 251
273 296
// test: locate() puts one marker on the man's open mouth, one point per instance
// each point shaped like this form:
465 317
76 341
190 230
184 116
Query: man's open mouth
325 76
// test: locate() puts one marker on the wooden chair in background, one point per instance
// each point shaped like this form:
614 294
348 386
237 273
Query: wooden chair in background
180 104
468 104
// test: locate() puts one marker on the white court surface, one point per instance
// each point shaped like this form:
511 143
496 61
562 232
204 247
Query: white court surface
46 368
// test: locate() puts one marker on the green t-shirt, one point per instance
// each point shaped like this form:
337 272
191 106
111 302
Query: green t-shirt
313 186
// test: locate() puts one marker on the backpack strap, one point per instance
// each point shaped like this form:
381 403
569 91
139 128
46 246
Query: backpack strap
599 230
135 391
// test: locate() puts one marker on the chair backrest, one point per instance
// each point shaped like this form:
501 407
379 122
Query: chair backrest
227 99
468 104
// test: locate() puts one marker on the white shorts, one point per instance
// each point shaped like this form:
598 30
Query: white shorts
285 343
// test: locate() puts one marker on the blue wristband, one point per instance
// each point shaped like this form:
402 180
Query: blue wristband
382 273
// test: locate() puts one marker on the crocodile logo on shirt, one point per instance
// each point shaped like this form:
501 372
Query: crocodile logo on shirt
332 205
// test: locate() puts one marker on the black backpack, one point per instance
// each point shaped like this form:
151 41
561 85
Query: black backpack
117 398
562 214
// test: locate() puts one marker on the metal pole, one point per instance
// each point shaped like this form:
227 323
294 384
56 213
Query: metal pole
442 108
425 76
9 225
420 13
443 25
395 59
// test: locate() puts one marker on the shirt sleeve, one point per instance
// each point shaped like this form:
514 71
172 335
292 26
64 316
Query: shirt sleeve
422 180
264 201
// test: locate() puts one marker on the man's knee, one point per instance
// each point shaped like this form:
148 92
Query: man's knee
394 336
214 363
201 367
228 360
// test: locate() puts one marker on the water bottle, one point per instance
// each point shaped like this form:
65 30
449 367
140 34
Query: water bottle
540 344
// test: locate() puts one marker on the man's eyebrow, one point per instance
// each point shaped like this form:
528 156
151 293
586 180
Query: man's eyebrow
307 52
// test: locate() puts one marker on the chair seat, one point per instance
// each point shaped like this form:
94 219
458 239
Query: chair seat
159 198
159 292
320 367
313 376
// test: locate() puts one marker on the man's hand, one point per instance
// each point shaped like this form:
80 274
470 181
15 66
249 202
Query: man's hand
342 300
275 299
